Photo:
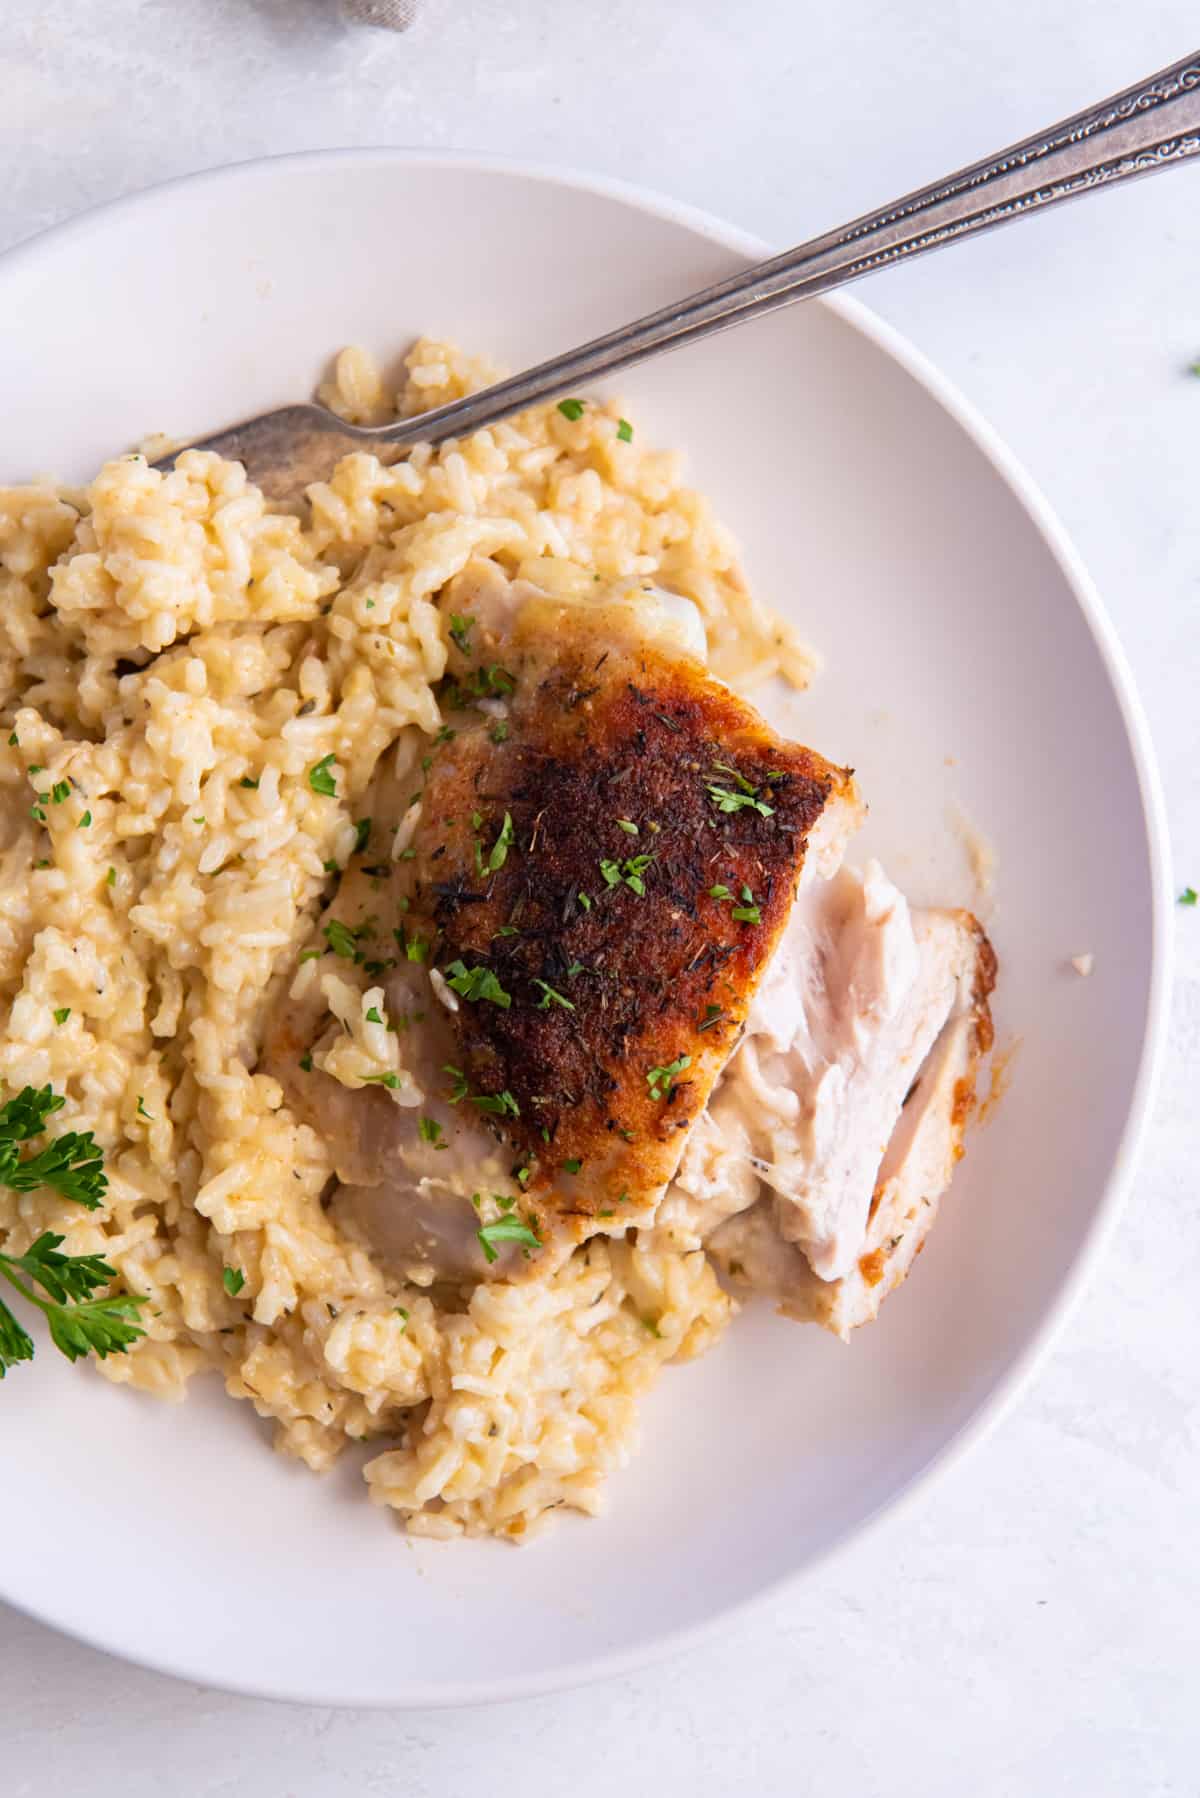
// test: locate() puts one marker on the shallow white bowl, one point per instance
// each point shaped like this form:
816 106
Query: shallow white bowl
969 665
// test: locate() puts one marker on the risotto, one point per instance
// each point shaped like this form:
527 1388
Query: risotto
176 660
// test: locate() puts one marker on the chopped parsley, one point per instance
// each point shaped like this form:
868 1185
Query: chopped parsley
59 791
460 1089
572 1165
498 1104
551 997
110 879
233 1279
499 731
373 1015
342 939
429 1130
248 782
306 1062
141 1109
362 835
13 740
62 1014
506 1229
661 1080
726 800
584 901
624 431
460 630
628 826
476 984
720 891
84 821
712 1015
502 845
1188 896
321 780
391 1081
416 949
571 409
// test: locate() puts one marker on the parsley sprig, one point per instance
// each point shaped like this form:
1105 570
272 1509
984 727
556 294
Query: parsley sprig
70 1164
78 1322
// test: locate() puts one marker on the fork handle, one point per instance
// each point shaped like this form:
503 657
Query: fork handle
1147 127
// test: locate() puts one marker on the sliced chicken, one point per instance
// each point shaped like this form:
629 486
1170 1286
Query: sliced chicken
839 1121
585 890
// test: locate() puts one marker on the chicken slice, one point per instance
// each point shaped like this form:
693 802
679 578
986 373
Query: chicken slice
589 884
839 1121
921 1157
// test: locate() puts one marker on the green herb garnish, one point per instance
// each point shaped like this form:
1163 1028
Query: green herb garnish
506 1229
572 409
233 1279
342 939
498 1104
661 1080
624 431
62 1014
551 997
362 835
321 780
1188 896
84 822
572 1165
70 1164
460 630
476 984
428 1129
78 1322
373 1015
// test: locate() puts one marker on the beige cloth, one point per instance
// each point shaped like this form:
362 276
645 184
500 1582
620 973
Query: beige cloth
388 15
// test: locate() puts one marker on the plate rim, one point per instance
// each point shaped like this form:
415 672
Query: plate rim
1027 1364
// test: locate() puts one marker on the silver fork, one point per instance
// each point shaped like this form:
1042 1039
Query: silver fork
1151 126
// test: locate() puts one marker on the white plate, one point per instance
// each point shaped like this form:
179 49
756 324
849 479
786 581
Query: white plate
969 664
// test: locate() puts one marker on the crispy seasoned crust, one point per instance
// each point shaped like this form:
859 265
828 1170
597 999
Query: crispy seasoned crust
607 983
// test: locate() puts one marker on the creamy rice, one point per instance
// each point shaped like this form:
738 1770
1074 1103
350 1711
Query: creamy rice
180 657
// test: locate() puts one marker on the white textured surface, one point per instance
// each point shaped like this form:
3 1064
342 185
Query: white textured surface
1032 1628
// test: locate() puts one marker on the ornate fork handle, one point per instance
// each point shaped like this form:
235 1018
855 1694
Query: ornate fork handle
1145 128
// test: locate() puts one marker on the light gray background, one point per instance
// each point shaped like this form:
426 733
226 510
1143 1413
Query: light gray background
1034 1627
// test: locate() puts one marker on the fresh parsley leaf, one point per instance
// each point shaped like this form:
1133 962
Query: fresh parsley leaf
661 1080
498 1104
477 983
84 821
248 782
62 1013
551 997
720 891
321 780
110 879
13 740
499 732
416 949
611 872
428 1129
233 1279
460 630
727 801
502 845
391 1081
306 1062
59 791
460 1089
572 1165
342 939
362 835
373 1015
746 914
78 1323
70 1165
628 826
1188 896
141 1109
624 431
572 409
506 1229
584 901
